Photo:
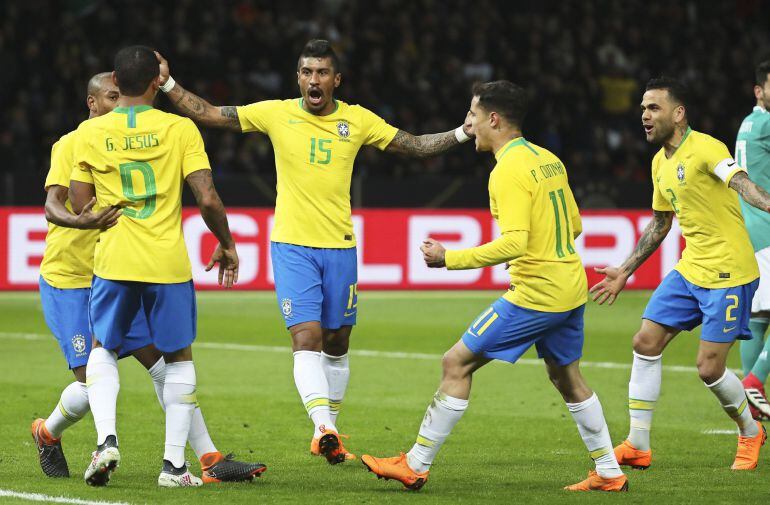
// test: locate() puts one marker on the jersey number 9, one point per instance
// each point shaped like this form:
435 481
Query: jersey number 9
150 190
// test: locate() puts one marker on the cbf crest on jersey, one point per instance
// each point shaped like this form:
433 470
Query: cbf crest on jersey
680 173
286 307
343 128
79 344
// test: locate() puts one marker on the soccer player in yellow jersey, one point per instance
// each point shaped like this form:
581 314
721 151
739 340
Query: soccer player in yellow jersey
137 158
315 138
65 287
696 179
531 200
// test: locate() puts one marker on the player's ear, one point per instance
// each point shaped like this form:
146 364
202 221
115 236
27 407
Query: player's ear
91 103
337 80
114 78
758 92
494 120
679 113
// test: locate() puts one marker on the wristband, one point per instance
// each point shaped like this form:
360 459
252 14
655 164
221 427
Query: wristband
168 85
460 134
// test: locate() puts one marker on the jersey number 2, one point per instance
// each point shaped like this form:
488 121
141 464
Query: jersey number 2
150 190
556 209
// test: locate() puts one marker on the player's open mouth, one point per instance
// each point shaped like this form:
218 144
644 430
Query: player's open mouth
647 128
315 96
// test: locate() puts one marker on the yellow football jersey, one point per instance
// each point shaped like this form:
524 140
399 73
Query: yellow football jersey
718 252
529 191
68 260
314 158
138 158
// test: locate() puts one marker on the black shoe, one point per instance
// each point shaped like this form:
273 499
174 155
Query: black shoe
230 470
52 459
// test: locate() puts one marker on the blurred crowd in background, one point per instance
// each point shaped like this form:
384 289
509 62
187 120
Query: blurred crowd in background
411 61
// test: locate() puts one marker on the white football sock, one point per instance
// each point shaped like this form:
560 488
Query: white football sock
179 398
441 416
730 393
199 438
337 371
103 386
73 405
589 417
313 389
643 393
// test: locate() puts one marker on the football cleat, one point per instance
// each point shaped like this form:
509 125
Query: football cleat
218 468
52 460
628 455
330 446
755 393
171 476
596 482
747 456
103 463
395 468
315 448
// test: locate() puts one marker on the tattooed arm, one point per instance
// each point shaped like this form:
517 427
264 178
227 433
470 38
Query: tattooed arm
750 192
195 107
421 146
616 277
213 213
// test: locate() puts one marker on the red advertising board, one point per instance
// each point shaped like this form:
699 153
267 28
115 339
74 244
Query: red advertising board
388 247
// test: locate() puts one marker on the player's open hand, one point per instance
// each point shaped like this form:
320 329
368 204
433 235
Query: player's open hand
227 258
164 69
433 253
102 220
610 287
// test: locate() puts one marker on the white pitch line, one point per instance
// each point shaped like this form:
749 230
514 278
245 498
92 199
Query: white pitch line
368 353
720 432
55 499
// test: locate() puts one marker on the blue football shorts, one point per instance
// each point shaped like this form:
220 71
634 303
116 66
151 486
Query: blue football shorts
66 314
315 284
682 305
505 331
169 309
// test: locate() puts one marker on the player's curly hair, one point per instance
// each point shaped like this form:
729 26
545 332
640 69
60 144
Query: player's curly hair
319 48
504 97
135 68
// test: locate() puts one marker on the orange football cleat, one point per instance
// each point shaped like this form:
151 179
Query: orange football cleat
628 455
748 450
395 468
330 446
596 482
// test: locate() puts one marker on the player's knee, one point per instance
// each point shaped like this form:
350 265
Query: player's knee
710 369
306 337
647 344
452 365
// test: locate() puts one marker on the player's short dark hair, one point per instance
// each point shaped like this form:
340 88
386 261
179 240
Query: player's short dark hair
760 73
504 97
135 68
319 48
677 90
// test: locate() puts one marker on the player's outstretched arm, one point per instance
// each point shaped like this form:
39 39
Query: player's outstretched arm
616 277
750 192
431 144
213 212
195 107
57 213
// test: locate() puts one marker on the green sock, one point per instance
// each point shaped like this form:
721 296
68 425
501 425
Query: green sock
762 366
750 349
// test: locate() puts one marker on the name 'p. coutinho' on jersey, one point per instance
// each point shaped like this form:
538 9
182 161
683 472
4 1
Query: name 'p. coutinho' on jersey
314 158
137 158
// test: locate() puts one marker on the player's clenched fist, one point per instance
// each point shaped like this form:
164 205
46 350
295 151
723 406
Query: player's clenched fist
433 253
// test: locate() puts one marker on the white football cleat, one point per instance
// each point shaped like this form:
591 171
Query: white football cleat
102 465
177 477
758 401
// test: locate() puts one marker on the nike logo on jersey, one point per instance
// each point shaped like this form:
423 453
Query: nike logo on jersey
348 314
297 121
728 330
731 164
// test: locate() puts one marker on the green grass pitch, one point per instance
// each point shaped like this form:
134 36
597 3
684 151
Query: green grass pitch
516 443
